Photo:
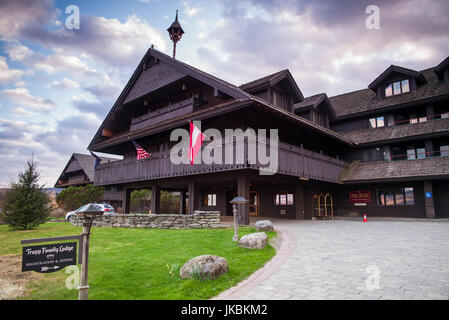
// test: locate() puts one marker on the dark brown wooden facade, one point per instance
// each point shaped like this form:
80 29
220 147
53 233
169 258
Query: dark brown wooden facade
317 153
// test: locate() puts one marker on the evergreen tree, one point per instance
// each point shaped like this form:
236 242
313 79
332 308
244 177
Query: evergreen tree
74 197
26 205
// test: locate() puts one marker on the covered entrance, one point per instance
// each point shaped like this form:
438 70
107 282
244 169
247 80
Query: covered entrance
324 209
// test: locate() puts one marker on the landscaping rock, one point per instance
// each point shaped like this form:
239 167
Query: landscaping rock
204 267
264 225
256 240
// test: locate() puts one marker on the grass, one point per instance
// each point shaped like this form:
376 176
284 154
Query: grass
143 263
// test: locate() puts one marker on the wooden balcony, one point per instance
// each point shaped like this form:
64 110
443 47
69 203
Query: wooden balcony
171 111
293 160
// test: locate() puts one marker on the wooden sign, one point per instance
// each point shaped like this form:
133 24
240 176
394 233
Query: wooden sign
360 196
48 257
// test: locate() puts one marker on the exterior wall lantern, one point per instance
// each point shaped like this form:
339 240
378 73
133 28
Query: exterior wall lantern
235 202
87 214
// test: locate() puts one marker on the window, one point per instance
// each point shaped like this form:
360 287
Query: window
409 196
396 197
396 88
421 153
413 118
284 199
210 200
377 122
405 86
444 151
411 155
389 91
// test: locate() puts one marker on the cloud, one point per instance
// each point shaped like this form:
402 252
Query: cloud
104 40
24 98
65 84
100 109
63 63
8 75
325 44
18 16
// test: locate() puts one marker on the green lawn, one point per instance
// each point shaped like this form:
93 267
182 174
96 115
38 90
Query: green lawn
132 263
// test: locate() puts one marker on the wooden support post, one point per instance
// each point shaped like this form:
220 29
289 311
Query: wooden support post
243 191
193 196
126 200
299 201
155 198
182 202
428 201
84 287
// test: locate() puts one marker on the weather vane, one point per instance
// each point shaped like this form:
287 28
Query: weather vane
175 31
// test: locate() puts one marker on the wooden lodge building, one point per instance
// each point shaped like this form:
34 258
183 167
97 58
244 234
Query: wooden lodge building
80 170
383 150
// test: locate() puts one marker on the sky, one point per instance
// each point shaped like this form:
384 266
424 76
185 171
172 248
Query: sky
57 84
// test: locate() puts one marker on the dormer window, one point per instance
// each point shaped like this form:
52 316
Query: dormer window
377 122
397 88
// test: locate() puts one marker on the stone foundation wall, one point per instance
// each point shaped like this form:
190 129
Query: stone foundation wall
200 219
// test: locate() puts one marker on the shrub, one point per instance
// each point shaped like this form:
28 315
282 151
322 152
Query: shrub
140 201
74 197
26 205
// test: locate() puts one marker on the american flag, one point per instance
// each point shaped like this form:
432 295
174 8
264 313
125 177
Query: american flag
141 153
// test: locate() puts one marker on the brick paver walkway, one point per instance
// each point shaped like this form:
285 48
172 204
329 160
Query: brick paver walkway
353 260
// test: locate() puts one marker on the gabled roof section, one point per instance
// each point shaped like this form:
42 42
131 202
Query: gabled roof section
441 66
177 65
271 80
315 101
395 69
87 164
356 103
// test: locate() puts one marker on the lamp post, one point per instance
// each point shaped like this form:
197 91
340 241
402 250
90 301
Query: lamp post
235 202
87 214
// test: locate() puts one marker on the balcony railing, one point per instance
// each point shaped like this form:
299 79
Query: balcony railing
420 155
171 111
422 119
292 160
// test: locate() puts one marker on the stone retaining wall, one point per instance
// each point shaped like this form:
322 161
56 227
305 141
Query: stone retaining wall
200 219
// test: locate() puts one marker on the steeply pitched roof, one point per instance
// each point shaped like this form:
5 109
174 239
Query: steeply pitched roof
420 169
239 94
365 100
395 69
87 163
363 136
261 81
442 65
313 102
271 80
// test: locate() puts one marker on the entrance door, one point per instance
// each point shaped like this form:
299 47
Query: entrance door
254 203
325 209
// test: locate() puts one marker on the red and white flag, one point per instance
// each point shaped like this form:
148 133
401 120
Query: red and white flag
196 139
141 153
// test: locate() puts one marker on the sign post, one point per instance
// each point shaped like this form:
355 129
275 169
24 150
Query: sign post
47 258
87 215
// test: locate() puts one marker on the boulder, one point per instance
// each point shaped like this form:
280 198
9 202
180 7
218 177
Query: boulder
256 240
204 267
264 225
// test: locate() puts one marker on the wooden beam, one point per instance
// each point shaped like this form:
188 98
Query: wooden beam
107 133
299 201
155 198
193 196
243 191
126 200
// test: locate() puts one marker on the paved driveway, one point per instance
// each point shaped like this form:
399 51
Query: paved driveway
353 260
